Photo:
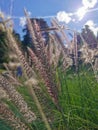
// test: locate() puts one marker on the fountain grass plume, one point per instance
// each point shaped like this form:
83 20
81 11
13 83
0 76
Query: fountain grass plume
7 115
17 99
51 88
41 55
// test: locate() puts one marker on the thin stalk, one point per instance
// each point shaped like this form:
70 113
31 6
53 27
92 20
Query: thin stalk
31 90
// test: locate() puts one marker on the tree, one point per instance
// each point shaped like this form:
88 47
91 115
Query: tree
3 48
89 37
16 35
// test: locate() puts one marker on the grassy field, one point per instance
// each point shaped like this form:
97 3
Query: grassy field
78 100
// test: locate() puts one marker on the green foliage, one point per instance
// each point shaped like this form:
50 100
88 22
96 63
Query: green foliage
78 101
3 48
4 126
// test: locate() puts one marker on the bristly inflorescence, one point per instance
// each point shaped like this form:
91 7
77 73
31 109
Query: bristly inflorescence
27 69
9 116
40 57
17 99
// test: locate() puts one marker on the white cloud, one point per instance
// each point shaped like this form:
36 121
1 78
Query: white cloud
89 3
64 17
92 26
90 23
81 12
22 21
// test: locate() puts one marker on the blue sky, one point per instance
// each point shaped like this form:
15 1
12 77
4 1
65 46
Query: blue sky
50 8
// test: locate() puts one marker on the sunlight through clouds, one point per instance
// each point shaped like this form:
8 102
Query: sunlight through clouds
89 3
81 12
88 6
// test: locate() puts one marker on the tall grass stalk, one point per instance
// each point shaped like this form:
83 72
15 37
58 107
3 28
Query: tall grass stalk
78 99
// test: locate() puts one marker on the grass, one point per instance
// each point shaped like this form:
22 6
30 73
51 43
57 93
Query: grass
79 100
4 126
